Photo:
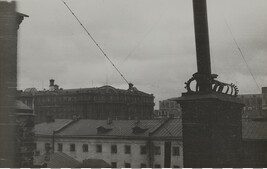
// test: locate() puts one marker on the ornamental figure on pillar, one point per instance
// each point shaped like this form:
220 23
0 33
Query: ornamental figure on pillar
217 86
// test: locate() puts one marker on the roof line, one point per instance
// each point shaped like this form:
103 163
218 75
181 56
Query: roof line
116 137
67 125
159 127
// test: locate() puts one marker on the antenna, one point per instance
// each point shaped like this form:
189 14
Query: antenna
102 51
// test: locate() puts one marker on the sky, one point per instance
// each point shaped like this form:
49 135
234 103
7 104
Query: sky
150 41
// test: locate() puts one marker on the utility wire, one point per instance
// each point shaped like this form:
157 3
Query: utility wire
94 41
242 55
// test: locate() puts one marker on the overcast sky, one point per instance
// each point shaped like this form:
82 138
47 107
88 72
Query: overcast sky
150 41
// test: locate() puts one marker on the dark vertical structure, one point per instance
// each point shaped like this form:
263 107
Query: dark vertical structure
12 142
202 45
167 154
8 82
211 115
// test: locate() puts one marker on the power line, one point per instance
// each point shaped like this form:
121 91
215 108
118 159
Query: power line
94 41
239 49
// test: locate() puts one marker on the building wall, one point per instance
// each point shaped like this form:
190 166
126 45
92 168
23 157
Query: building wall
255 104
135 158
169 109
63 104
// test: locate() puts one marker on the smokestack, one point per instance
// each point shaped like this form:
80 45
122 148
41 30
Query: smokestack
52 85
202 45
51 82
130 86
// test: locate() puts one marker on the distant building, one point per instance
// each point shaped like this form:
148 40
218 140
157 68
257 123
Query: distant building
89 103
168 108
255 105
120 143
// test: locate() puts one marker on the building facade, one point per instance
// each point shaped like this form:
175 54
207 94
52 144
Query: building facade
129 143
89 103
168 108
255 105
121 143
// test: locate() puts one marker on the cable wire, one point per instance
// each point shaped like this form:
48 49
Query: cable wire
94 41
239 49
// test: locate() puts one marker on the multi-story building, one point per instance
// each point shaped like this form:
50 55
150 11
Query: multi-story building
89 103
131 143
168 108
255 104
121 143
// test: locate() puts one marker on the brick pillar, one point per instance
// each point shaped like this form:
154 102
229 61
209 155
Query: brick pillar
212 130
8 83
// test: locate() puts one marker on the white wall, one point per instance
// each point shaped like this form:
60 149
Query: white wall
135 158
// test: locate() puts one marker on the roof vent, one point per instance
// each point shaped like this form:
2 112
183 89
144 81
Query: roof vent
132 88
103 130
139 130
49 119
109 121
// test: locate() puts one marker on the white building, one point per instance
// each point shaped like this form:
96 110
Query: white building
121 143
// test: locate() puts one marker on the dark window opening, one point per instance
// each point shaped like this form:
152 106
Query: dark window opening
157 166
47 147
85 147
176 151
157 150
127 165
143 165
113 149
99 148
142 149
113 164
59 147
72 147
127 149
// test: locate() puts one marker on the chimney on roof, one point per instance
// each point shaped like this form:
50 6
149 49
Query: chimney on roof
109 121
52 86
76 117
52 82
49 119
130 86
137 120
56 87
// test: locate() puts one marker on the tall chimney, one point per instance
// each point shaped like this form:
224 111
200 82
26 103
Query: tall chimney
52 85
202 45
51 82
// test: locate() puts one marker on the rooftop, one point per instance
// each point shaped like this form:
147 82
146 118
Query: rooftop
95 90
157 128
117 128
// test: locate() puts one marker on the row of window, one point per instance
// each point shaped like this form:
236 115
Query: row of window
142 165
114 149
92 98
